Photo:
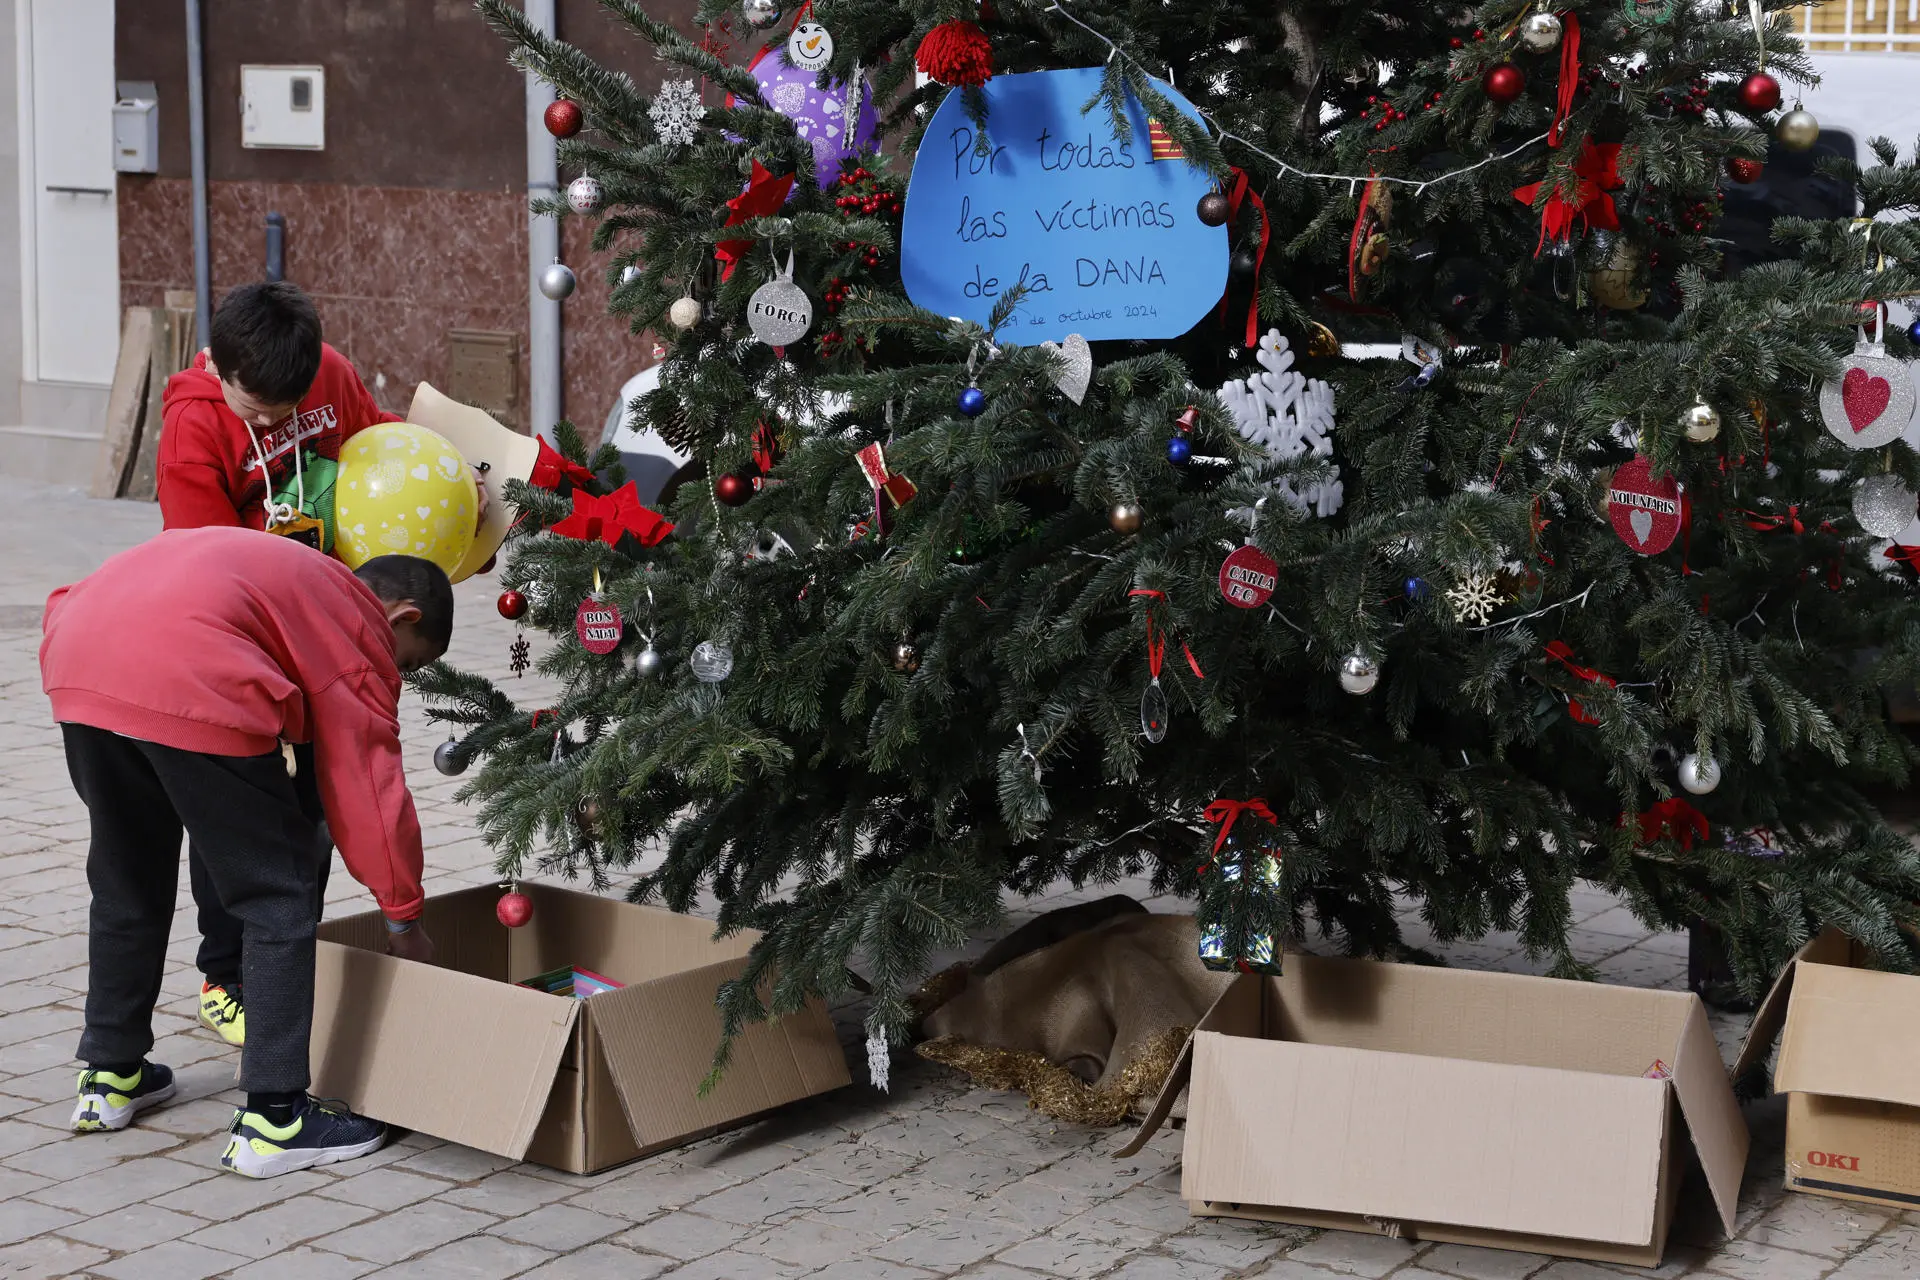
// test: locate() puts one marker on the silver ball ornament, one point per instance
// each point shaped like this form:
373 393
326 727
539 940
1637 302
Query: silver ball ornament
629 273
1359 673
1699 774
1797 130
685 313
585 194
1884 506
450 758
711 662
1541 32
1701 422
557 282
760 14
648 662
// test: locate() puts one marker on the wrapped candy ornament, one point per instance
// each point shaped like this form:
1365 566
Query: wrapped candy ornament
1241 912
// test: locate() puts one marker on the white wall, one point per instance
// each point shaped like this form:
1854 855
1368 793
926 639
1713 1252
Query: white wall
10 316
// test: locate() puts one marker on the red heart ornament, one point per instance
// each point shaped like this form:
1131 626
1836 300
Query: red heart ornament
1865 398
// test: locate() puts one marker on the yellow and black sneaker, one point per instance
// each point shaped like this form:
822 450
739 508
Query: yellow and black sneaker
109 1102
321 1132
222 1012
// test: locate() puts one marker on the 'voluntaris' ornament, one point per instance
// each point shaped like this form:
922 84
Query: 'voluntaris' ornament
1644 509
1870 404
780 312
1290 416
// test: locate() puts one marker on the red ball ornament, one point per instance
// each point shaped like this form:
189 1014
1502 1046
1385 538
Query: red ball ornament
733 490
1759 92
514 909
564 119
1743 169
513 606
1504 83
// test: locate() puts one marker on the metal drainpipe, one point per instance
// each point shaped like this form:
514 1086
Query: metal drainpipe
197 131
543 243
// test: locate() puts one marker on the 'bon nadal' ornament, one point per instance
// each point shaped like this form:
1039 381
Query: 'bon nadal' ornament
1248 577
598 624
1645 511
1870 405
780 311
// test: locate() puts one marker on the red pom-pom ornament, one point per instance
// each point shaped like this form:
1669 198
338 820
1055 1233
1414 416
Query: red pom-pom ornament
1504 83
513 606
1743 169
514 909
1759 92
956 52
564 119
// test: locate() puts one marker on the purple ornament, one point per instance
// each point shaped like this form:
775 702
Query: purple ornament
819 116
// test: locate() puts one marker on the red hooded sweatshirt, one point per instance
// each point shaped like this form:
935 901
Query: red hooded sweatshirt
225 642
209 465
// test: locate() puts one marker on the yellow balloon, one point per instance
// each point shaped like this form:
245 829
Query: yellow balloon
403 490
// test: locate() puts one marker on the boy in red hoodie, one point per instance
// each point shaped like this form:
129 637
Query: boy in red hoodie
181 672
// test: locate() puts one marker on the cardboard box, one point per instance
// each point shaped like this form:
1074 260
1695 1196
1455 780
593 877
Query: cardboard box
1435 1104
456 1050
1850 1067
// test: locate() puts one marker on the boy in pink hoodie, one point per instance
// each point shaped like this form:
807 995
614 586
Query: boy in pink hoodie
182 673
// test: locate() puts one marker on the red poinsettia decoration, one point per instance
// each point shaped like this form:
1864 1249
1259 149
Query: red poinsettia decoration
1674 820
956 52
606 519
1596 173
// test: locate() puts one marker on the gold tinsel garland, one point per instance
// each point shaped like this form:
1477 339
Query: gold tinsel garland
1057 1092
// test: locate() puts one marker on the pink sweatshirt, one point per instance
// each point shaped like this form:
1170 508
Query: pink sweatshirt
225 642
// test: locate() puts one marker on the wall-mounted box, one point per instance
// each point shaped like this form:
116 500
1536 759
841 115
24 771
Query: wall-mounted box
136 127
283 107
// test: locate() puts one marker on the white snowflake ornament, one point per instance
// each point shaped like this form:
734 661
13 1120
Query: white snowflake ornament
1475 599
1289 415
676 112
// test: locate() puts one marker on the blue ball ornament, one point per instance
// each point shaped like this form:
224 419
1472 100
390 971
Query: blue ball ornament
973 402
1913 333
1179 449
1416 589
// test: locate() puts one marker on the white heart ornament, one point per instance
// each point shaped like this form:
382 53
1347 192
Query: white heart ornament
1870 405
1073 366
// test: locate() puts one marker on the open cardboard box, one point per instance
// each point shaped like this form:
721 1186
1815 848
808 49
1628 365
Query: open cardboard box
455 1050
1850 1067
1435 1104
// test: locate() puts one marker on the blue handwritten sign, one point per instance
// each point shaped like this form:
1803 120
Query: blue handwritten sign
1102 232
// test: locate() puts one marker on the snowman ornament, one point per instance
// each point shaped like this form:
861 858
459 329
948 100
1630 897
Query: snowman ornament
810 47
1870 404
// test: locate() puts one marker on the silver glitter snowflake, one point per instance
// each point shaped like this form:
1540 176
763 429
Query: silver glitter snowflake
1474 599
676 111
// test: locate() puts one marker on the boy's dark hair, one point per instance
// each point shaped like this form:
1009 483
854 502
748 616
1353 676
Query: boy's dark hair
420 582
266 340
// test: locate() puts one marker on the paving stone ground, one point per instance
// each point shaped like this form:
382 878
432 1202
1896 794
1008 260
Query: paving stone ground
932 1179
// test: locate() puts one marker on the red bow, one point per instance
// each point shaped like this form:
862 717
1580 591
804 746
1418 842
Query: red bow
552 466
1224 812
1559 651
1767 524
1908 556
608 518
764 196
1157 640
1597 172
1675 820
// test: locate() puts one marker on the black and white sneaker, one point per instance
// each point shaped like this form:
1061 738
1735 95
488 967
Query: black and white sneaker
109 1102
322 1132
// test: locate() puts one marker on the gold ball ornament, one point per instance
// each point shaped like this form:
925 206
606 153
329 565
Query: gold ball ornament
906 657
684 313
1321 341
1126 517
1615 282
404 490
1701 422
1797 130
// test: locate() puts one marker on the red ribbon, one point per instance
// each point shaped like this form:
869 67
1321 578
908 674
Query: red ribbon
898 489
1559 651
606 519
1569 76
1673 819
1157 640
1596 173
552 467
1241 191
1767 524
1908 556
764 445
1356 241
1224 812
764 196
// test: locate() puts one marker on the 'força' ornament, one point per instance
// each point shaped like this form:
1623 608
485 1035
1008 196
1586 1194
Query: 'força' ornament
1701 422
1125 517
585 194
1869 405
1504 83
760 14
1540 32
514 909
563 118
780 311
1213 209
1883 505
1359 673
684 313
711 662
1699 774
449 757
1797 130
1759 93
557 281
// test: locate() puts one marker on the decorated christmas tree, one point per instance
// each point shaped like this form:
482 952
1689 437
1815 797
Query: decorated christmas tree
1313 455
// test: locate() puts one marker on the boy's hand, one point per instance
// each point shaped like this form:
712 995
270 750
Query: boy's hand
480 485
414 944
